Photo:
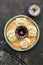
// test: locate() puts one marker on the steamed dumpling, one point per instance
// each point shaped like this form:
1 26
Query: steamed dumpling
32 30
24 43
21 21
11 35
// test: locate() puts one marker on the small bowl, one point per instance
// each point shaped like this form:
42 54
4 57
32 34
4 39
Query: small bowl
11 21
21 32
34 9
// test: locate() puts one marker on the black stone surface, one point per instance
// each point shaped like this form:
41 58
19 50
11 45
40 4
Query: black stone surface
8 9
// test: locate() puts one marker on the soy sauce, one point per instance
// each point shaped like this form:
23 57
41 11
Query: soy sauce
21 32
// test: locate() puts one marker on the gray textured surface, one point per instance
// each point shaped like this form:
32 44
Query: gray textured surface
8 9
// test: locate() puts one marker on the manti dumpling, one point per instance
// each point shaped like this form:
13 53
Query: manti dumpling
24 43
21 22
11 35
32 31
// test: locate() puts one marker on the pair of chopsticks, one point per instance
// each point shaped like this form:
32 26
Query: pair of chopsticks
16 58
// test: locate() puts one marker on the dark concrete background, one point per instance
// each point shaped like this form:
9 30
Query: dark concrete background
8 9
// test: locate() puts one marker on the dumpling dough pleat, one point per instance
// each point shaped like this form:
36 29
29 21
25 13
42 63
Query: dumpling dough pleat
24 43
11 35
32 30
21 21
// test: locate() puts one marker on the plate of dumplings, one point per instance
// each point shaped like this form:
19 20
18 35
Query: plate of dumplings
21 33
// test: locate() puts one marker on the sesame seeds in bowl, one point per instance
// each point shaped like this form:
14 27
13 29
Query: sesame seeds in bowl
34 9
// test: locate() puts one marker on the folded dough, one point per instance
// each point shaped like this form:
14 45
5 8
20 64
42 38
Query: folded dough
24 43
32 30
21 21
11 35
